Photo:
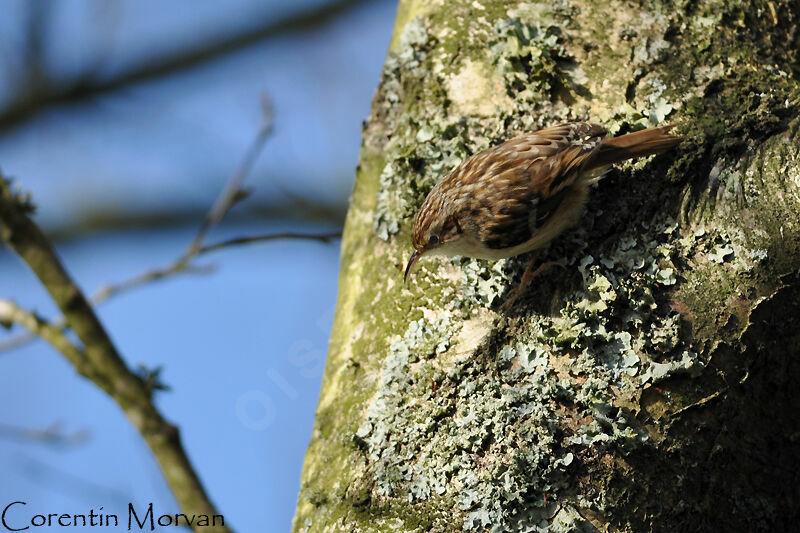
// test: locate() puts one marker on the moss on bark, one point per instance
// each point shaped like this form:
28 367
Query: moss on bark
649 385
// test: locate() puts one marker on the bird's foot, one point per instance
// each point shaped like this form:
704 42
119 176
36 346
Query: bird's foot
527 277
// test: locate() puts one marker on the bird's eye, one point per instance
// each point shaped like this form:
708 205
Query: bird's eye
433 241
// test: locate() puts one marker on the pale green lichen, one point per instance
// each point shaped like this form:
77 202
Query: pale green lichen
435 446
609 426
530 57
482 283
659 107
426 338
688 364
720 253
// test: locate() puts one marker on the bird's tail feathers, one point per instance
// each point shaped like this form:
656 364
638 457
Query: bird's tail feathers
637 144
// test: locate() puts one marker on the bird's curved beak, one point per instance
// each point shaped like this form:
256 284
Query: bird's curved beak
411 262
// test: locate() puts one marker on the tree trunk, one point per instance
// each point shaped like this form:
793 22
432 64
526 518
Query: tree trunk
652 383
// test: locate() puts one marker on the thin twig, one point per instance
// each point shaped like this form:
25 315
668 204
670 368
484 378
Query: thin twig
51 435
11 313
321 237
234 188
179 266
22 339
148 276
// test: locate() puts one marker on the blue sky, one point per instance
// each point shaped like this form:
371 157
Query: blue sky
242 348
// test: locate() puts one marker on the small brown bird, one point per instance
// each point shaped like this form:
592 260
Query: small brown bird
520 195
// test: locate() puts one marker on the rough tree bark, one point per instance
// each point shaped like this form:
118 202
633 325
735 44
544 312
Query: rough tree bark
652 384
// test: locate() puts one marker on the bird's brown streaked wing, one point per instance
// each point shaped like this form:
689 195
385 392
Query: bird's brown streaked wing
578 143
535 187
507 223
529 150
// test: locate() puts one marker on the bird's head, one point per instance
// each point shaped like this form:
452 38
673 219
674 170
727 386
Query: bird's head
436 230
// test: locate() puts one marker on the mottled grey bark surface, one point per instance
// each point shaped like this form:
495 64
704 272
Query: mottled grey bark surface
652 383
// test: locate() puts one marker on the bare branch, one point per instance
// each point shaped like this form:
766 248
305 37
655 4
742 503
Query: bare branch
99 361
